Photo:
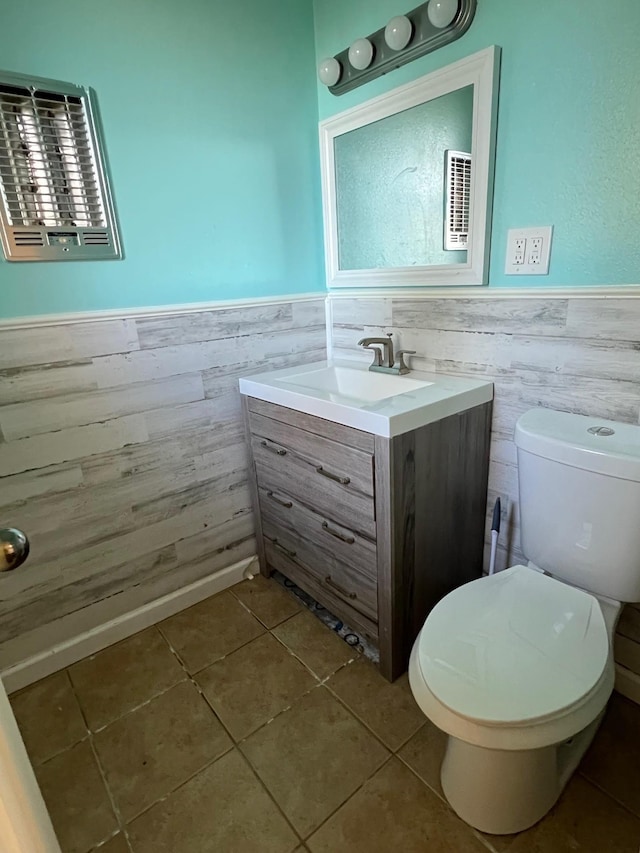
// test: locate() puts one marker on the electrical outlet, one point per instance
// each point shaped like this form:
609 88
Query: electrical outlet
528 251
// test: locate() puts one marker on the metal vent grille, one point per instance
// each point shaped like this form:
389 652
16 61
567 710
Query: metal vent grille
53 187
28 238
96 238
457 193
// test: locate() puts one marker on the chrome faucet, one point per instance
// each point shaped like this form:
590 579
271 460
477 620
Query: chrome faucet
390 363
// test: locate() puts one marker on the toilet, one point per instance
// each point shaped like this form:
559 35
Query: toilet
517 667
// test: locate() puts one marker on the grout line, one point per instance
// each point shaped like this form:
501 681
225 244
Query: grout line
60 752
121 822
96 758
102 844
103 775
321 679
438 794
82 714
245 758
351 795
479 837
211 663
289 594
238 742
364 723
170 793
590 781
444 800
406 741
136 708
297 657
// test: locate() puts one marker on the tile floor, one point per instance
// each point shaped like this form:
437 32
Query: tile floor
245 724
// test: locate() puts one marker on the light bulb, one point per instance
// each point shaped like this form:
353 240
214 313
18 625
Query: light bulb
361 54
329 71
442 12
397 33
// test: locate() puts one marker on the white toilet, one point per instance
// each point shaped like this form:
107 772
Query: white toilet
517 668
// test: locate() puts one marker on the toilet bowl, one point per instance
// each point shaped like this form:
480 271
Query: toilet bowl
517 669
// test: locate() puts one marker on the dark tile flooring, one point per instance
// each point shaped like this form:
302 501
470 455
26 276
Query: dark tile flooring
245 724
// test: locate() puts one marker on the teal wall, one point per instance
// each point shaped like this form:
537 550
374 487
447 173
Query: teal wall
210 111
210 116
568 149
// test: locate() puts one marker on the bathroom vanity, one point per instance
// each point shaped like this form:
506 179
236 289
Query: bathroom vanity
370 491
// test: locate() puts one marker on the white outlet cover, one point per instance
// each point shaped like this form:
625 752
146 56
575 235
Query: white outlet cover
528 266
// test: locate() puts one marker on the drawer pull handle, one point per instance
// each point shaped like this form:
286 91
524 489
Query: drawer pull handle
277 450
281 547
342 480
348 539
338 588
286 504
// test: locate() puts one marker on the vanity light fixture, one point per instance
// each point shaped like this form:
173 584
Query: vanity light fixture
361 54
442 12
329 71
406 37
398 32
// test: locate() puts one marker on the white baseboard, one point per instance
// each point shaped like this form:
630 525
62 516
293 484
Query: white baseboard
64 654
628 683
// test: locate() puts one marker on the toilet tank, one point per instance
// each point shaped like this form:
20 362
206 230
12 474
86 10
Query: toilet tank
579 484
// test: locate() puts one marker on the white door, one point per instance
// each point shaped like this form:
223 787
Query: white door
25 825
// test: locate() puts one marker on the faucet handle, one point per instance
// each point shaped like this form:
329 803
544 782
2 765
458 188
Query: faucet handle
400 362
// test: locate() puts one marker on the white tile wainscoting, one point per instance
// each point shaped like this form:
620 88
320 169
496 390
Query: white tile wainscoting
574 353
122 456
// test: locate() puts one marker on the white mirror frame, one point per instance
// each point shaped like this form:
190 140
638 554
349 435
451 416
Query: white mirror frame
481 70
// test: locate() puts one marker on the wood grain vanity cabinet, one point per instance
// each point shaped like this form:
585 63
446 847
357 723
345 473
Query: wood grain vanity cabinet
375 529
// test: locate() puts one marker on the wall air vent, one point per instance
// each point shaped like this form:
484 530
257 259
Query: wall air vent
55 201
96 238
27 237
457 190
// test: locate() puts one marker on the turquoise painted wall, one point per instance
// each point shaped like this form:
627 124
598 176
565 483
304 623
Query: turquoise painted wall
568 149
210 117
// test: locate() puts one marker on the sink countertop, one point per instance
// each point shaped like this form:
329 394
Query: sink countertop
443 396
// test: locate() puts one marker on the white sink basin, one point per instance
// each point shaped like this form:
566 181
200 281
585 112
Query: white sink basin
350 394
348 383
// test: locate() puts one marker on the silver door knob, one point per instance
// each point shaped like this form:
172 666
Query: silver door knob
14 548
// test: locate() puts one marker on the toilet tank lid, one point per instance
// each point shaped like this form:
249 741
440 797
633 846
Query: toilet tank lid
593 444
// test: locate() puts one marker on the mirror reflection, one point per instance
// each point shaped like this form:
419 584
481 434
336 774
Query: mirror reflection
402 186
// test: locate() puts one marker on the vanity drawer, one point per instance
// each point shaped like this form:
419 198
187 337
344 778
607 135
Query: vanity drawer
343 543
295 476
329 483
350 437
344 582
336 461
278 560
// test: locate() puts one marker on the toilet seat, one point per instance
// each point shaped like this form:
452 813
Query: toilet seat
513 660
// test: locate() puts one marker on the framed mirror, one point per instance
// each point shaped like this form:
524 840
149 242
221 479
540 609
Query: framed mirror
407 181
